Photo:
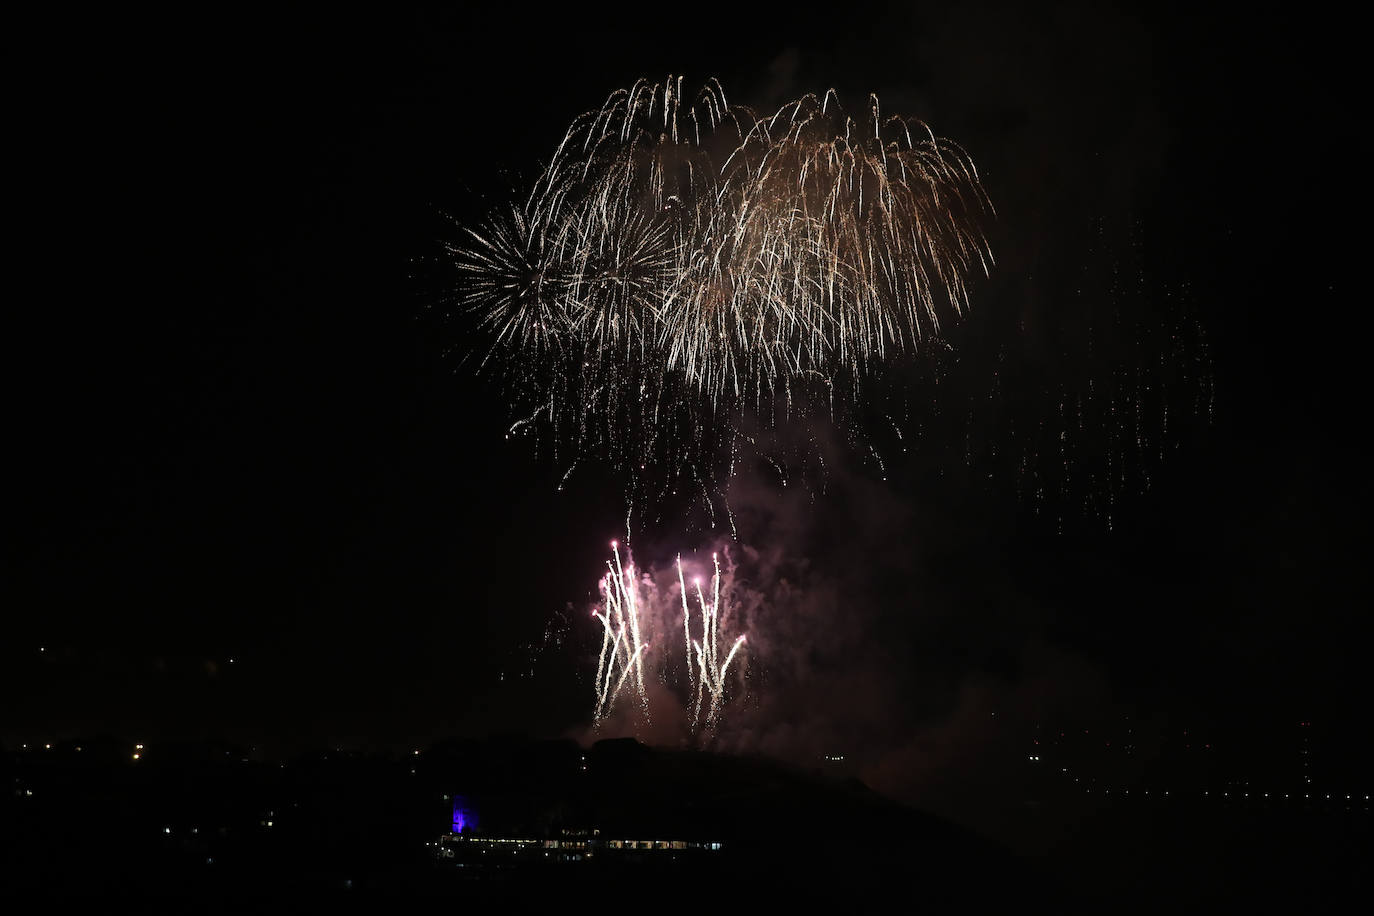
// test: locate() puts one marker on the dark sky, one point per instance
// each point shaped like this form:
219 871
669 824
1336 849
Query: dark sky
237 430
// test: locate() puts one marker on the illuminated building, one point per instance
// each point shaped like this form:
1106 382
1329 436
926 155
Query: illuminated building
470 850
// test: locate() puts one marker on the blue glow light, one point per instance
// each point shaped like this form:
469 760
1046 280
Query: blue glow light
464 815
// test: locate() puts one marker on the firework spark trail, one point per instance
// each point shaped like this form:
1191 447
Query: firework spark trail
620 664
686 628
606 666
621 636
710 677
627 608
683 265
718 691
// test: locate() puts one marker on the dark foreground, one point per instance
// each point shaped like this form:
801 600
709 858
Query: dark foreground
213 822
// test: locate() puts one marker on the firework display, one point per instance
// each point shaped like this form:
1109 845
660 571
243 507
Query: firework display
685 280
629 610
686 275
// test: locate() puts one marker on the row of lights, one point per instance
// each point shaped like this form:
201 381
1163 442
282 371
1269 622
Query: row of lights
1205 793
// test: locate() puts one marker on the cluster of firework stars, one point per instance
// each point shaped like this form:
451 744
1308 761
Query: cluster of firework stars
687 276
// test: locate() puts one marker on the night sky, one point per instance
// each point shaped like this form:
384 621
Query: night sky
254 495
